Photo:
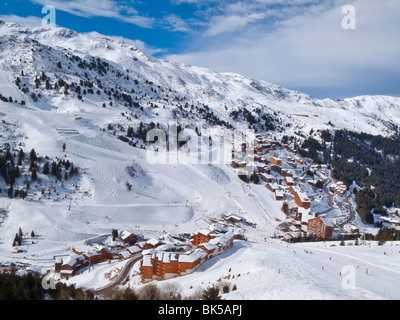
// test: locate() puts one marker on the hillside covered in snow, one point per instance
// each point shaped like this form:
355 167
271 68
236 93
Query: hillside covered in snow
84 104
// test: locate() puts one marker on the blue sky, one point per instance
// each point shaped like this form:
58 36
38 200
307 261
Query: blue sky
298 44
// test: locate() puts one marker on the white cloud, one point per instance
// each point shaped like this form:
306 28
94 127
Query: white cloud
310 49
30 22
100 8
224 24
174 23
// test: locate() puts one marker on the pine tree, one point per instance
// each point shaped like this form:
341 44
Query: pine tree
34 174
10 178
46 168
285 208
10 192
54 168
21 156
114 234
33 156
15 241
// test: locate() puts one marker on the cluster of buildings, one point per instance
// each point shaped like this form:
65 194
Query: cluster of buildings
68 265
338 188
288 175
161 257
165 264
96 250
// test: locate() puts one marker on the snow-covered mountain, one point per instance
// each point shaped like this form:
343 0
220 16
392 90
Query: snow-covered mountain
89 100
116 65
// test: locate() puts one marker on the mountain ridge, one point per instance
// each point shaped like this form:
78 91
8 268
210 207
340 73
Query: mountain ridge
203 86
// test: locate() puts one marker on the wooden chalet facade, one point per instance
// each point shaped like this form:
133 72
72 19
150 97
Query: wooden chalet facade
68 266
320 227
300 197
275 161
203 236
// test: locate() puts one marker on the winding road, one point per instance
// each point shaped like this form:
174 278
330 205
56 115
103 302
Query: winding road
108 292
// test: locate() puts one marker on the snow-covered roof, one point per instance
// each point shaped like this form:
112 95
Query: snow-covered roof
274 186
72 259
166 257
134 249
125 234
125 254
222 240
204 231
234 217
153 241
149 252
140 244
209 246
327 222
306 214
147 261
193 256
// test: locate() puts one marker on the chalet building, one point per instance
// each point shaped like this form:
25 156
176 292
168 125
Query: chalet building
148 268
129 252
286 173
300 197
289 181
123 255
292 164
303 215
232 218
279 195
223 241
67 266
300 161
275 161
320 227
134 250
264 169
339 188
276 169
203 236
266 178
166 265
210 249
273 187
97 255
150 244
189 262
71 264
128 237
